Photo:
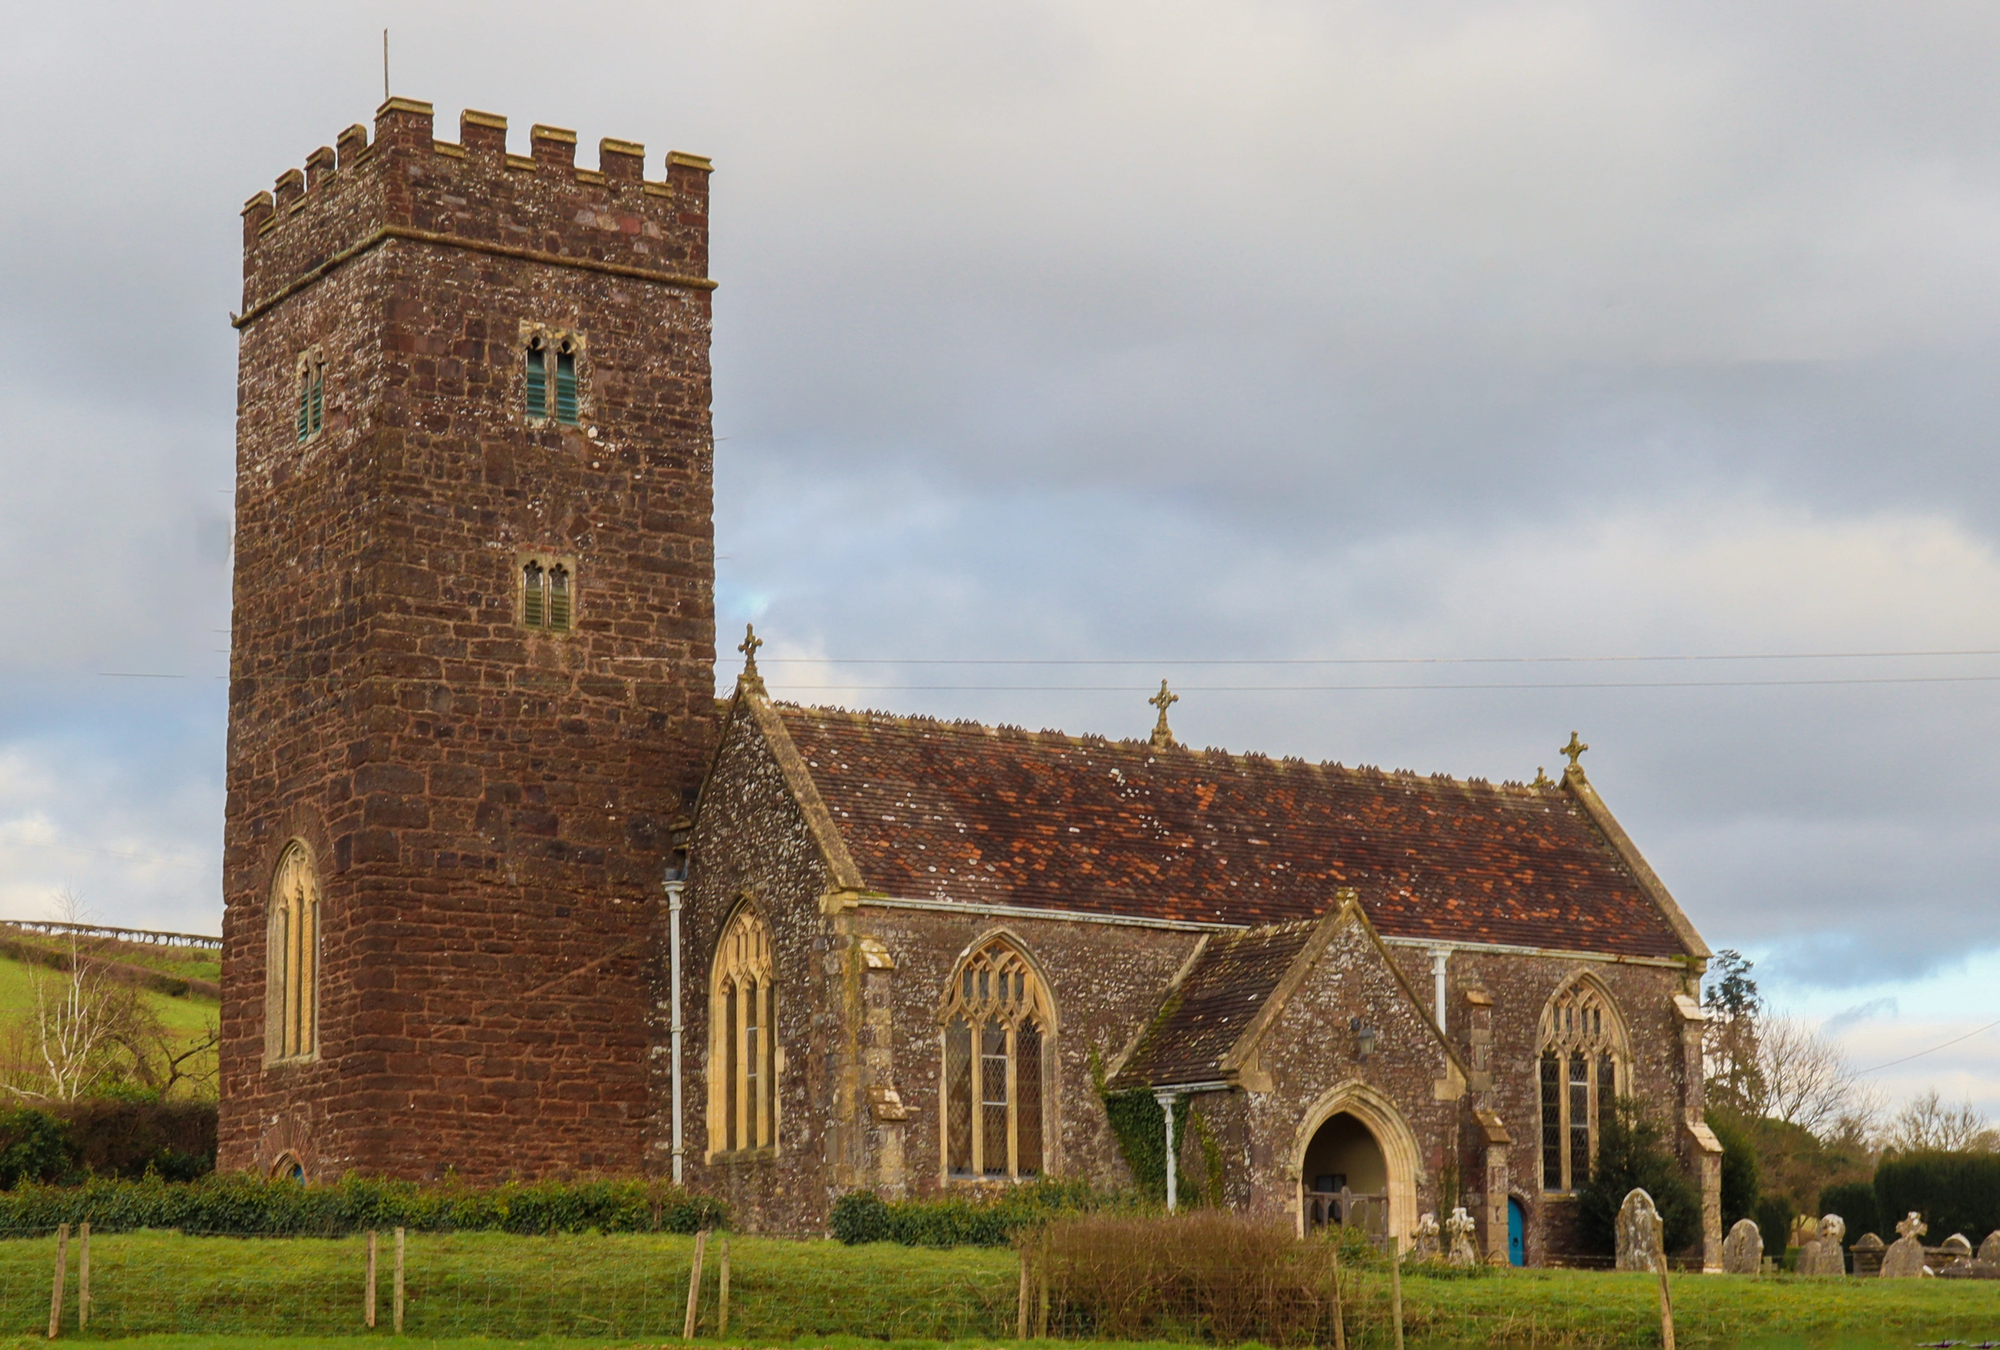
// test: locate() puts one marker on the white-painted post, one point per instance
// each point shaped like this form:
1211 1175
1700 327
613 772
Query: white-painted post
1166 1101
674 889
1439 955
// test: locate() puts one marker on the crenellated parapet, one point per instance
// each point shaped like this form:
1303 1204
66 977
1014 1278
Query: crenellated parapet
543 207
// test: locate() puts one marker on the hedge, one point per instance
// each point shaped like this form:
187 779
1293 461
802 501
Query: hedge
239 1204
1854 1202
1955 1192
863 1216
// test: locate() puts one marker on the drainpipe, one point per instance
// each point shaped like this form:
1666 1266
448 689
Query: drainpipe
1166 1101
1439 955
674 889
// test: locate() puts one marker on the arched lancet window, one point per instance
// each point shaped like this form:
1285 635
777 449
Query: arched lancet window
566 381
538 376
1583 1069
311 379
291 1005
998 1068
548 594
559 598
742 1052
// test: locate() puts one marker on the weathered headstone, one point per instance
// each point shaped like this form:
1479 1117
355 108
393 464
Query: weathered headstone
1639 1233
1957 1250
1989 1250
1868 1255
1743 1249
1824 1255
1460 1226
1905 1258
1426 1245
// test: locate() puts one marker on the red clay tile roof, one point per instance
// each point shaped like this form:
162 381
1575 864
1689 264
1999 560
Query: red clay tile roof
1202 1019
958 811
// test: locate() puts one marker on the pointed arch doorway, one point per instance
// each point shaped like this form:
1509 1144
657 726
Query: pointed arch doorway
1355 1161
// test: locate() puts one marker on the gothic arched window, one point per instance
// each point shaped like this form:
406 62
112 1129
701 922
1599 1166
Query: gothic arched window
742 1051
1583 1059
997 1067
291 995
548 593
311 382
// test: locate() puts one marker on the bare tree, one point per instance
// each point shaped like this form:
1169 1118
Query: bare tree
1927 1123
1806 1080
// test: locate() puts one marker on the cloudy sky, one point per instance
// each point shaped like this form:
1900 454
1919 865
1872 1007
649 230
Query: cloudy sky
1411 383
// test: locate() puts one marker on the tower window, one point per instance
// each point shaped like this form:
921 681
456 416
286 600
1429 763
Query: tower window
291 972
311 382
538 376
548 594
553 385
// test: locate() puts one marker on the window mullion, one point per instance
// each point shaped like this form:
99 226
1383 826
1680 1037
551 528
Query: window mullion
1013 1106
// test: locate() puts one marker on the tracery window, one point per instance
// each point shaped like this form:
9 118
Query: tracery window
548 594
998 1067
742 1055
291 1001
1582 1065
310 379
553 356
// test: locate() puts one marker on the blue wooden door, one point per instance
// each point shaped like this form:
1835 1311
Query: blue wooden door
1517 1234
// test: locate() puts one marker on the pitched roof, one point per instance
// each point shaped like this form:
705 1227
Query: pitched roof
1214 1004
976 814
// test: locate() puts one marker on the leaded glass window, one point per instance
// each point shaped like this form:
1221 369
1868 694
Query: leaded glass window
743 1059
996 1079
1582 1054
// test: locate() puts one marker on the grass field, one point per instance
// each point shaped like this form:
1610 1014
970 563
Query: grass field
633 1289
185 1017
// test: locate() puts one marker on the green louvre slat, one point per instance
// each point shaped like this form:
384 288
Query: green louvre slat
566 388
558 599
531 596
538 383
305 396
318 398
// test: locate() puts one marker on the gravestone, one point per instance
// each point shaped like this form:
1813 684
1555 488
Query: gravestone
1957 1250
1868 1255
1426 1248
1905 1258
1824 1255
1743 1249
1989 1250
1639 1233
1460 1226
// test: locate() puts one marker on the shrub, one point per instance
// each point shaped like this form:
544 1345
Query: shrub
1631 1151
963 1220
127 1136
1853 1201
1218 1277
249 1206
1739 1168
34 1146
1955 1192
1774 1223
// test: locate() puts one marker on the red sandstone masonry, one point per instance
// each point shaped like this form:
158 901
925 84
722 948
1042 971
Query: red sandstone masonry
490 808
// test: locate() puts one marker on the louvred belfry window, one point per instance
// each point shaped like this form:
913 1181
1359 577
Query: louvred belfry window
548 594
538 376
566 381
743 1056
311 387
291 970
1581 1074
997 1075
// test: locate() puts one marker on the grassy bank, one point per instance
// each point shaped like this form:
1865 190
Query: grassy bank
633 1288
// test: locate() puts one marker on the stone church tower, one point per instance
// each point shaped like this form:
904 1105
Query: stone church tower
471 679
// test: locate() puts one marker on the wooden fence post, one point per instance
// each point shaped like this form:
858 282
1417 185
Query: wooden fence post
1021 1312
1396 1285
694 1284
368 1285
722 1314
1666 1308
56 1293
83 1276
398 1304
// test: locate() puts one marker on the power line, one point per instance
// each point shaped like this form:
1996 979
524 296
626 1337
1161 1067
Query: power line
1357 688
1357 660
1863 1073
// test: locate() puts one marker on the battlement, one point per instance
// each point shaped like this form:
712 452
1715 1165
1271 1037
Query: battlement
405 183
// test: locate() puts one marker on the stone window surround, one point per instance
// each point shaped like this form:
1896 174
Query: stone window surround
998 951
743 955
292 958
548 561
309 383
1568 1027
552 339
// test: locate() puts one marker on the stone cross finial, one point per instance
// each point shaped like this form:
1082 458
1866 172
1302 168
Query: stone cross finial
1542 778
1913 1227
1574 750
1163 736
751 642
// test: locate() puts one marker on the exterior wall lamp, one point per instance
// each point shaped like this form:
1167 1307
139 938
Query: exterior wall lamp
1364 1038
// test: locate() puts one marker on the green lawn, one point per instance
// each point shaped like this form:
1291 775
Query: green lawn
186 1018
175 1290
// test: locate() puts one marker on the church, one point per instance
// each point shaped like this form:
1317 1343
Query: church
510 893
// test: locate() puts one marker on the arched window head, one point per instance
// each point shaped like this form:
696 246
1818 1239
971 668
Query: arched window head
553 385
1583 1066
291 1001
310 383
998 1069
288 1168
742 1051
538 376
